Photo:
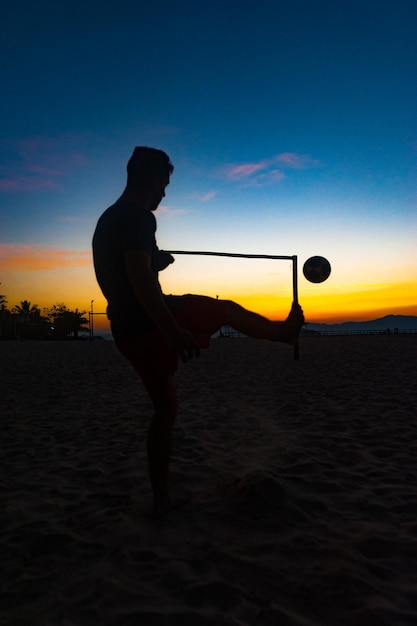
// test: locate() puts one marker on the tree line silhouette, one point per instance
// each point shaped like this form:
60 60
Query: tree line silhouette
27 321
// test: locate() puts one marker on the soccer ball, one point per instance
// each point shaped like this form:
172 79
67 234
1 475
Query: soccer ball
317 269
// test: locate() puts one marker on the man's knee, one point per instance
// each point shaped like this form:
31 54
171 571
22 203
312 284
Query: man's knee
231 308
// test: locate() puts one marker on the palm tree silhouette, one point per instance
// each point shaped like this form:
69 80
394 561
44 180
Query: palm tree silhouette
27 311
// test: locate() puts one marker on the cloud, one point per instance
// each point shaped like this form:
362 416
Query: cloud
296 161
46 153
208 196
202 197
270 176
265 171
27 183
246 169
40 163
27 258
167 210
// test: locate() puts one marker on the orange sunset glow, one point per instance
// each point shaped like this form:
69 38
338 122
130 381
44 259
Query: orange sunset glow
44 275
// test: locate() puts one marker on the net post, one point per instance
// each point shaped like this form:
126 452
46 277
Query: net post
295 300
292 258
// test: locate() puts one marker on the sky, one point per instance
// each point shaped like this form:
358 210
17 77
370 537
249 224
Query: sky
291 126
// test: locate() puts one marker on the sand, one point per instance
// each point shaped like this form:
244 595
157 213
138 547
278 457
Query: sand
301 480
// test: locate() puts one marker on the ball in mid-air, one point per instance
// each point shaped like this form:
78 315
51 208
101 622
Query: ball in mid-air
317 269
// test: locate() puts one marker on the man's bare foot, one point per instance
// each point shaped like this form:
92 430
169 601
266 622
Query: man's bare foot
290 329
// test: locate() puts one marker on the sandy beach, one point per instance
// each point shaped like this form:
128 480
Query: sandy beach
300 480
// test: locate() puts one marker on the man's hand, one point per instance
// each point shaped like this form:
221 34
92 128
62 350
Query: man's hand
161 260
148 292
184 344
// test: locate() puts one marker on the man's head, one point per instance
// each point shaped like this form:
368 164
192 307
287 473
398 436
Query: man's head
146 164
149 170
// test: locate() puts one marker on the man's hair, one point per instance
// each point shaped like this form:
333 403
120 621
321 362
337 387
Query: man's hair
147 163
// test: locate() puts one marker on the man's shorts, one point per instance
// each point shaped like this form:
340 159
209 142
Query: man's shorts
152 357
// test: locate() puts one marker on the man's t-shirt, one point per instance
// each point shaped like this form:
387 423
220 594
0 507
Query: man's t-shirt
123 226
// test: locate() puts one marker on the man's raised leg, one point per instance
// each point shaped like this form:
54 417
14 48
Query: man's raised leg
259 327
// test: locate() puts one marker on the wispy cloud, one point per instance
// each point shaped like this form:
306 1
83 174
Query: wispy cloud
267 171
296 161
201 196
246 169
39 163
169 211
27 183
27 258
208 196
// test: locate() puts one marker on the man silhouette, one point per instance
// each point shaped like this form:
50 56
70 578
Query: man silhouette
153 330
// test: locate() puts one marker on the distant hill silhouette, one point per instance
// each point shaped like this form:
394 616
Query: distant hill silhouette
389 322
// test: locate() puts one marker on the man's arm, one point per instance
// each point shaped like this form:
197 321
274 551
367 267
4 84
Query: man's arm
161 260
148 293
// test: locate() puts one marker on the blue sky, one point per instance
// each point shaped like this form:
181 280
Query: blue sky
291 125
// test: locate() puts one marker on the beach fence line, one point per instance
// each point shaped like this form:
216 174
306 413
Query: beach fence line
228 331
320 333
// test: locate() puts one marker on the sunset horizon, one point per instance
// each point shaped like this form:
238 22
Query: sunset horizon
47 276
301 143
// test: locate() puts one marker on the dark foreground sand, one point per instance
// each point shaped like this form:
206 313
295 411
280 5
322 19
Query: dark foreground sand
301 479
